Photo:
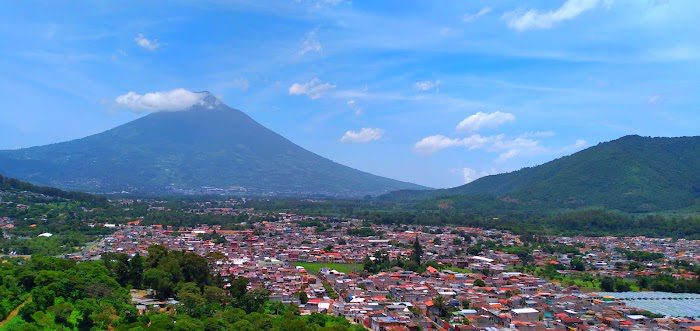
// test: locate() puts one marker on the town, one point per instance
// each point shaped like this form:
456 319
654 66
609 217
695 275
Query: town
460 279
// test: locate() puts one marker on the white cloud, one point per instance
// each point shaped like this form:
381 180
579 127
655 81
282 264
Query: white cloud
365 135
507 147
173 100
575 147
520 146
484 120
469 175
467 18
535 19
427 85
314 88
310 44
146 43
434 143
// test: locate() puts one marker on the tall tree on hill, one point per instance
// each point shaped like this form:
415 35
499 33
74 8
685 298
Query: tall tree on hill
239 287
122 269
136 270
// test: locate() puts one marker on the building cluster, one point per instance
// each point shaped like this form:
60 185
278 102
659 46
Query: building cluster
299 258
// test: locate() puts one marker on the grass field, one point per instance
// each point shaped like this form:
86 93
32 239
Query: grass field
315 267
457 269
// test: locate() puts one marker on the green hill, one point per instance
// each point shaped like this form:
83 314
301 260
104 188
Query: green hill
207 149
15 185
632 173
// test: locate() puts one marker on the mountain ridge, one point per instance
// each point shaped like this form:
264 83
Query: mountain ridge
631 173
207 148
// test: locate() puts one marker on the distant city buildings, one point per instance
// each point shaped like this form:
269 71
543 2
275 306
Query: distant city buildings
458 291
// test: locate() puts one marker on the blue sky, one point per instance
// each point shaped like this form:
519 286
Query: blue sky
436 93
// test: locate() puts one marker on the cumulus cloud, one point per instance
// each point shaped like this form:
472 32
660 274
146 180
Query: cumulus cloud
146 43
427 85
506 147
365 135
173 100
310 44
314 88
434 143
468 18
469 175
484 120
535 19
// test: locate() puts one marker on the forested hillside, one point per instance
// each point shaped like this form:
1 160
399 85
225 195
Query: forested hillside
59 294
632 174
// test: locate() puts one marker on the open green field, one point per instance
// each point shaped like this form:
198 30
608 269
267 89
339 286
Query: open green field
315 267
457 269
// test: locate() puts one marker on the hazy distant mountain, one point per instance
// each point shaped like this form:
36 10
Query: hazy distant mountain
209 148
631 173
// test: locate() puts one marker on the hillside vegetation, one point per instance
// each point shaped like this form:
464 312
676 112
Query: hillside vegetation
632 174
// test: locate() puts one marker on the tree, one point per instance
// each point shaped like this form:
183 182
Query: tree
155 254
417 253
195 269
239 287
578 264
136 270
475 249
440 304
254 299
303 298
607 284
479 283
171 264
215 295
121 269
104 316
160 281
191 303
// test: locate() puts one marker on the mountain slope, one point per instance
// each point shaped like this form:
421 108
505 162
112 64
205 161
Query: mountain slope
16 185
209 148
631 173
